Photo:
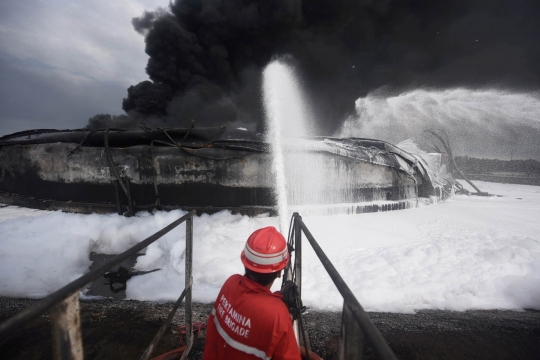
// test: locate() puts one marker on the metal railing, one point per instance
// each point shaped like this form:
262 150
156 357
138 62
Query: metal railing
356 325
63 305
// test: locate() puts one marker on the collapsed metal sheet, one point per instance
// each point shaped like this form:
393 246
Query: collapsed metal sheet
220 137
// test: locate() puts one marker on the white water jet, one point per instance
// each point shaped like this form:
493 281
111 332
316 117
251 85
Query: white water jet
480 122
285 116
310 177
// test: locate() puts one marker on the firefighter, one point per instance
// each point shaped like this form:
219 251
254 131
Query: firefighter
248 321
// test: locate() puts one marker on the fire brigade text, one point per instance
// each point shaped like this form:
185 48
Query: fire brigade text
234 320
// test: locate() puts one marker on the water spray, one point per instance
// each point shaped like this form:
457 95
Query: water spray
480 122
285 115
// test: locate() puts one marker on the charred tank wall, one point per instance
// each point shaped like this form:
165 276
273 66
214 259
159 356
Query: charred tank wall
186 178
47 172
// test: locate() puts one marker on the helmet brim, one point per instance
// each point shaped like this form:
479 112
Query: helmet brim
263 269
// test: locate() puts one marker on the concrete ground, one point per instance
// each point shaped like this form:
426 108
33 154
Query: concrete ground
115 329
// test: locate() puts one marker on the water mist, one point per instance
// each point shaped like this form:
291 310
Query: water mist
483 123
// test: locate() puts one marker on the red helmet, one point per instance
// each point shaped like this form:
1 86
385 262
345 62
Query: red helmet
266 251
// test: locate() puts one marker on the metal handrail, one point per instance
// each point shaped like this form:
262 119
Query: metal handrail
380 346
164 327
10 326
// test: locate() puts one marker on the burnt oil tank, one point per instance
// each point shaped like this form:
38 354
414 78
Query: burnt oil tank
208 169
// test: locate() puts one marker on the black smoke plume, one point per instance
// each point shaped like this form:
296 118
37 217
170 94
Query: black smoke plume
206 57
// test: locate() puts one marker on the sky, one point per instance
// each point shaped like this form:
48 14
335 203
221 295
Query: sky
63 61
467 253
369 68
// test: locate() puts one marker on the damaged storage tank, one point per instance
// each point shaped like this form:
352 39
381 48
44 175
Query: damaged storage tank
208 169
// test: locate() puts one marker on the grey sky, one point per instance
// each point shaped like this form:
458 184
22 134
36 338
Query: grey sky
63 61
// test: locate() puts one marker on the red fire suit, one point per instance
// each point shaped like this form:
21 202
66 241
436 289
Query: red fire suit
248 321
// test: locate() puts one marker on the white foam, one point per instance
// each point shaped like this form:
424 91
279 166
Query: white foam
466 253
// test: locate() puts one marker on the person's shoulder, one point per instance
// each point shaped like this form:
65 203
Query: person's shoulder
233 279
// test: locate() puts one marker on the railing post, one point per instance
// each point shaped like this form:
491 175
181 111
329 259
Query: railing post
304 338
298 252
66 329
351 344
189 285
186 293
